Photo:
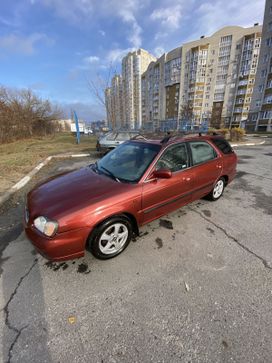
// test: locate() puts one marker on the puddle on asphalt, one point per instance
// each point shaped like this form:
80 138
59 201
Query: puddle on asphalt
159 242
166 224
207 213
210 230
82 268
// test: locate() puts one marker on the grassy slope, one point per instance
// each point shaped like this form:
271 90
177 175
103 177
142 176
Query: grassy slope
19 157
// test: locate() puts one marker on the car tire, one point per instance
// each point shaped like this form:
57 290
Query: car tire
218 190
110 238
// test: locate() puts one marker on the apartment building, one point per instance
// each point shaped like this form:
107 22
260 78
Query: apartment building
260 116
209 81
218 74
133 66
109 107
117 102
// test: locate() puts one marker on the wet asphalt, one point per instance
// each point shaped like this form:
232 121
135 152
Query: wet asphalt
196 286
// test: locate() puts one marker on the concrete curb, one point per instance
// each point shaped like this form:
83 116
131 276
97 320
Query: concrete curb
248 144
21 183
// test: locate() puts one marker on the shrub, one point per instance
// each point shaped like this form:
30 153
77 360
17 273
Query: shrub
237 134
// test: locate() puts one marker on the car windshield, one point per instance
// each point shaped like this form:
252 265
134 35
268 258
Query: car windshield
110 136
129 161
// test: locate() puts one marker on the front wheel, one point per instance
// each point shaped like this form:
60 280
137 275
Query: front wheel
110 238
218 190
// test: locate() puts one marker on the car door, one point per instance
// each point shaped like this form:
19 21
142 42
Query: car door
160 196
207 166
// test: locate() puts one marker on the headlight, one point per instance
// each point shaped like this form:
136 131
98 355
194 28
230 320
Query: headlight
44 225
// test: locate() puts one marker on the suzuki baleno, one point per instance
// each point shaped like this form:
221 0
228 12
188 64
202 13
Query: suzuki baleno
101 206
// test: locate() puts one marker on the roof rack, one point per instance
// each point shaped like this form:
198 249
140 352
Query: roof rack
166 138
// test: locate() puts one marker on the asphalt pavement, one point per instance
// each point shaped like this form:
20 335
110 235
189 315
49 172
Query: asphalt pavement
196 286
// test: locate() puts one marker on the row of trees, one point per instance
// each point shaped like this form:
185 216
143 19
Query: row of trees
23 115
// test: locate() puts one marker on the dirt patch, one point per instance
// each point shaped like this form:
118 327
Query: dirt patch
166 224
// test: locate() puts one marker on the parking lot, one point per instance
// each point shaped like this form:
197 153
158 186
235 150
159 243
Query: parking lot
196 286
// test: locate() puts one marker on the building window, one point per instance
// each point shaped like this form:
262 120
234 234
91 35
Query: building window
261 87
263 73
270 26
268 42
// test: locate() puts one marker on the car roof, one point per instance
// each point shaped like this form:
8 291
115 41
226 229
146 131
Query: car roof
173 139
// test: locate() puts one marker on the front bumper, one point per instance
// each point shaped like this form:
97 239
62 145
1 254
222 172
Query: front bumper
63 246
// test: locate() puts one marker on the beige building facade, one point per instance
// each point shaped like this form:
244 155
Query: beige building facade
209 81
214 69
260 117
133 66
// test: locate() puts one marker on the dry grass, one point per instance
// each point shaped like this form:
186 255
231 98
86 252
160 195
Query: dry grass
19 157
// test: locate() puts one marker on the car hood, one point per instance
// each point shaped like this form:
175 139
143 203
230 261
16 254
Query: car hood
73 191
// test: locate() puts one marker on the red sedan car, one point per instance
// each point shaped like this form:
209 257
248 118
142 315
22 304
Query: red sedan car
102 205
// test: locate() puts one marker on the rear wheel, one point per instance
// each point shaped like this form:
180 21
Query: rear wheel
218 190
110 238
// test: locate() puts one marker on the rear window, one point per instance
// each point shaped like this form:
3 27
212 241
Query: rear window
223 145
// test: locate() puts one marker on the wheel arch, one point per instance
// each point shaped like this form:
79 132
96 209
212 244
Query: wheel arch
127 215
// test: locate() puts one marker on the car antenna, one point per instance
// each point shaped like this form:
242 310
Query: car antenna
166 138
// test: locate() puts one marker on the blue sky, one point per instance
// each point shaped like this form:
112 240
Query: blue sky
55 46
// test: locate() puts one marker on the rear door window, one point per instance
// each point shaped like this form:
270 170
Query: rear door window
222 145
201 152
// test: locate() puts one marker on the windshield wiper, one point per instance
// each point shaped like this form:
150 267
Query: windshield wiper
110 173
94 167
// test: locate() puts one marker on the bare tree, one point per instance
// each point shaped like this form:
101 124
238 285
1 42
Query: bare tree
23 114
98 88
186 111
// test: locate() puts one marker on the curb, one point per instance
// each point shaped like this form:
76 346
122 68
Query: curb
21 183
248 144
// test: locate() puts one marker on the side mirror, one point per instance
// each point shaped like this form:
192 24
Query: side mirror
162 174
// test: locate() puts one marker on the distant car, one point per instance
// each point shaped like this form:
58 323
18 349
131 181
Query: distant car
102 205
115 138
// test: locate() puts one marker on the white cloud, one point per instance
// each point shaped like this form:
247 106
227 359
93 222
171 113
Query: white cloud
116 55
158 51
81 12
127 15
211 16
15 43
91 59
101 32
169 17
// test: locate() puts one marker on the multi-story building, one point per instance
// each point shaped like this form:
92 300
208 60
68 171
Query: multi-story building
109 107
260 116
214 71
152 97
209 80
117 102
133 66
